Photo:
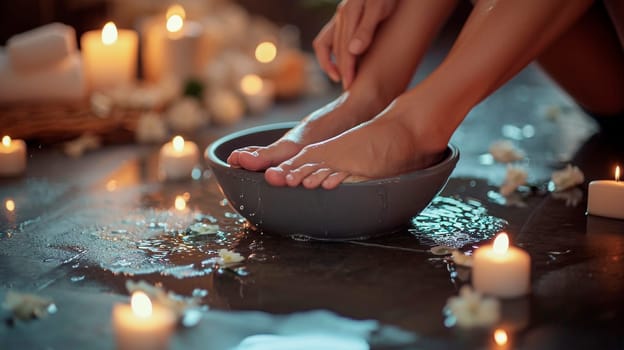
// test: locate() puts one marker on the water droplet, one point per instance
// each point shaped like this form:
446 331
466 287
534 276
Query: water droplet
242 207
77 278
223 202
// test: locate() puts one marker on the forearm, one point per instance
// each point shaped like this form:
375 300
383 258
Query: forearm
388 66
499 39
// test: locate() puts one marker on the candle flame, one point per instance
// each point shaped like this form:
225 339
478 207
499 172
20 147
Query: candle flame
178 143
141 305
266 52
501 243
9 205
176 9
6 141
180 203
251 84
617 173
500 337
109 33
175 23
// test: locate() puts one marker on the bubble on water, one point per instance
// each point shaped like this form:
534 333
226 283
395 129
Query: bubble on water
454 222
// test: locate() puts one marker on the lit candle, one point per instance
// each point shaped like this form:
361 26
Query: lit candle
110 56
142 325
178 158
258 93
173 48
12 157
606 197
501 338
500 270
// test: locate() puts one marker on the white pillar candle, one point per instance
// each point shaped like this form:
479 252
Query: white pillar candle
173 47
63 81
177 158
141 325
500 270
182 48
258 93
606 197
12 156
41 47
110 56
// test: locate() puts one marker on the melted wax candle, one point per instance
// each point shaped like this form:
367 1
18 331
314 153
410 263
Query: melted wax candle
178 158
12 157
606 197
500 270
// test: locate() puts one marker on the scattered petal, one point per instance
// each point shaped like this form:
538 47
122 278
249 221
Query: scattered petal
28 306
515 177
229 258
470 309
504 151
568 177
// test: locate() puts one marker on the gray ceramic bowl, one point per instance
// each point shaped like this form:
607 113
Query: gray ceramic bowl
351 211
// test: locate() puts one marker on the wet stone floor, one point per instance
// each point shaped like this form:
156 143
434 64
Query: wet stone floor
80 228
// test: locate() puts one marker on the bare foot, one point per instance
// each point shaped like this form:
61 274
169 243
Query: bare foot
385 146
330 120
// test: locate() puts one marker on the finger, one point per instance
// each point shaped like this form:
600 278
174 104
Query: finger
350 17
333 180
315 179
323 50
376 11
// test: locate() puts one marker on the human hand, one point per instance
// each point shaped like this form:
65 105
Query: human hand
349 34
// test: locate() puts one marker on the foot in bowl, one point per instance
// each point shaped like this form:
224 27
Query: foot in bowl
328 121
387 145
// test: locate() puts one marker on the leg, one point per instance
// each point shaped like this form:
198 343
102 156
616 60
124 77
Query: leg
499 39
383 74
588 62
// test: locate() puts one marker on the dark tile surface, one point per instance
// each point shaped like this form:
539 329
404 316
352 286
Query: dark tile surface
82 227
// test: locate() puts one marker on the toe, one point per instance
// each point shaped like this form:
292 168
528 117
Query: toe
234 157
315 179
275 176
294 177
334 179
262 158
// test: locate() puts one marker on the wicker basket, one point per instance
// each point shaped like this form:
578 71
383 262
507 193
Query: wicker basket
57 122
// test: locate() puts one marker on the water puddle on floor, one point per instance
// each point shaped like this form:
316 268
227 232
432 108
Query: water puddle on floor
455 222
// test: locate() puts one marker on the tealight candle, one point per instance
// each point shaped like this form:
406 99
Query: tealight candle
258 93
500 270
606 197
110 56
12 157
142 325
178 158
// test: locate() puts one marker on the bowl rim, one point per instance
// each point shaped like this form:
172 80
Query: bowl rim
211 156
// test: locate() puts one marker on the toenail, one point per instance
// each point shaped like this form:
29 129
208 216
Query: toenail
290 177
